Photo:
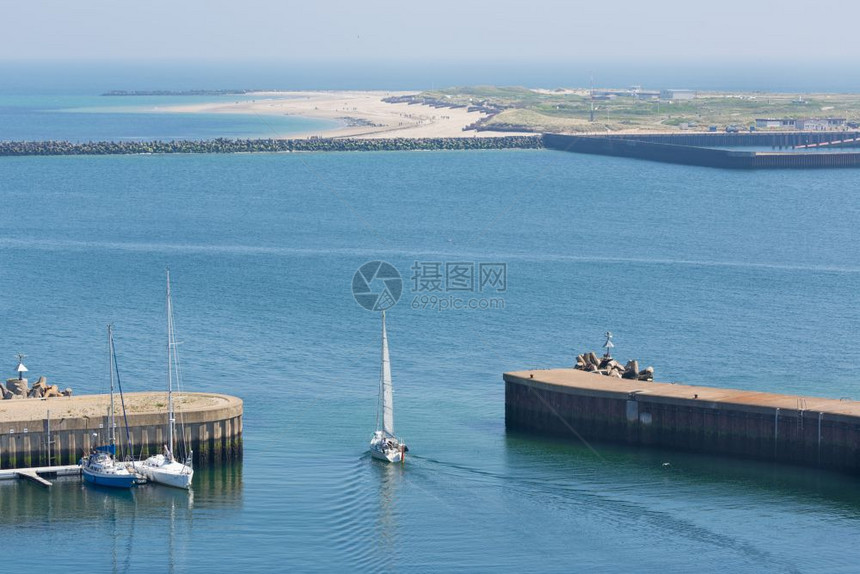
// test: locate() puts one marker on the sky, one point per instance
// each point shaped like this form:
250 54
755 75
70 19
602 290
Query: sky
496 31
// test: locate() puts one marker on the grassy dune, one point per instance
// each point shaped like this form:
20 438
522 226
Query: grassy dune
569 110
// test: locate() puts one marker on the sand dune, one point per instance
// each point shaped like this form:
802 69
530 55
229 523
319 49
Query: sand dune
361 114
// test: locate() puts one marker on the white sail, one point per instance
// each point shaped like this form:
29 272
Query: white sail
387 391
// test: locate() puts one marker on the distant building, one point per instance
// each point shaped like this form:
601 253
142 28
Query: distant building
807 124
775 123
820 124
673 94
646 95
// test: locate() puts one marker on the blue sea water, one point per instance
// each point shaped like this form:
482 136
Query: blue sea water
736 279
93 117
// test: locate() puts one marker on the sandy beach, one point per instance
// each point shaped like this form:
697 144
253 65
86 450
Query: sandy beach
361 114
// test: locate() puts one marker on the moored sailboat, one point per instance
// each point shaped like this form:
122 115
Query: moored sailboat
163 468
100 466
385 445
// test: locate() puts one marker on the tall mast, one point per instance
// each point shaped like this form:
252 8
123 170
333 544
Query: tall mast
111 422
387 391
169 367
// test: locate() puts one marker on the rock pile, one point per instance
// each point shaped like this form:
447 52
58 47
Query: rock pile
19 389
608 366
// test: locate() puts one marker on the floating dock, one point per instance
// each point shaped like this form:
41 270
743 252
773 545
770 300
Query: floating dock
581 405
37 475
59 430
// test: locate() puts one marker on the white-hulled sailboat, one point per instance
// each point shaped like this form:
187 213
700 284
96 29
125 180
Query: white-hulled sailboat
162 468
384 445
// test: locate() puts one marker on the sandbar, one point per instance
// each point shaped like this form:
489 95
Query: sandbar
360 114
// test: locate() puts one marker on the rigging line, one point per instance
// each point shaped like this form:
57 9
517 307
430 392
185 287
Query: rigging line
549 406
325 184
122 400
176 369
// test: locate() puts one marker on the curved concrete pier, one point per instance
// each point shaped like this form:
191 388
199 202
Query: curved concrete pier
766 426
59 430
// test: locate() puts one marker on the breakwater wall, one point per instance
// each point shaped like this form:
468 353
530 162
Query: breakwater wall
578 405
689 149
220 145
212 425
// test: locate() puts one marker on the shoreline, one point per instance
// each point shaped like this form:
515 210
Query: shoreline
364 114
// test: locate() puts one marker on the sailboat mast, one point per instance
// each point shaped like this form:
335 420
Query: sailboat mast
387 391
111 422
170 417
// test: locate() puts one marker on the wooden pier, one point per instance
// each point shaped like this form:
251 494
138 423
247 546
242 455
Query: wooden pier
802 430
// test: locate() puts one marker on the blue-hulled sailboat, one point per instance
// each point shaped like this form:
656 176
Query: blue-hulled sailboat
100 467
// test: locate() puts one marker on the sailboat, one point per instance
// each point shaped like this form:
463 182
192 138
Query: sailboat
163 468
100 466
385 445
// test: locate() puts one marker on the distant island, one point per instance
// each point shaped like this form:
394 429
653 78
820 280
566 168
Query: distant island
177 92
493 111
633 109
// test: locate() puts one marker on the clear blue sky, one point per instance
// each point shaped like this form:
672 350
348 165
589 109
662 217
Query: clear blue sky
435 30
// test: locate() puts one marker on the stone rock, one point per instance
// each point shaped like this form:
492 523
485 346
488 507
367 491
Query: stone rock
647 374
36 392
631 369
52 391
580 362
18 386
5 393
592 358
67 392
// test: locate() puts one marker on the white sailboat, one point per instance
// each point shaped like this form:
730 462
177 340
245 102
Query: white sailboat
385 445
163 468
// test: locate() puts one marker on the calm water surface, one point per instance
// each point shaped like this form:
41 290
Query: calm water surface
84 118
738 279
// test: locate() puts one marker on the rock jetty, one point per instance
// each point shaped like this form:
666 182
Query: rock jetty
222 145
18 388
609 367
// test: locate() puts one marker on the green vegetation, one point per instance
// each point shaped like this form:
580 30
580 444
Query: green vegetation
523 109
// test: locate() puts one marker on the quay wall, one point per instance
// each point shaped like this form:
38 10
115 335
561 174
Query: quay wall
797 430
776 140
690 150
214 433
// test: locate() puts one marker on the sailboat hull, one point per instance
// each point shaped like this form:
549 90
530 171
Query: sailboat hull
387 450
113 481
100 468
392 457
173 473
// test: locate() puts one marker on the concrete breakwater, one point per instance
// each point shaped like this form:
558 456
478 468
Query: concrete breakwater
765 426
689 149
60 430
220 145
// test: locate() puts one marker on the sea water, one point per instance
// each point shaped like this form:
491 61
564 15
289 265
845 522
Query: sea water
727 278
92 117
